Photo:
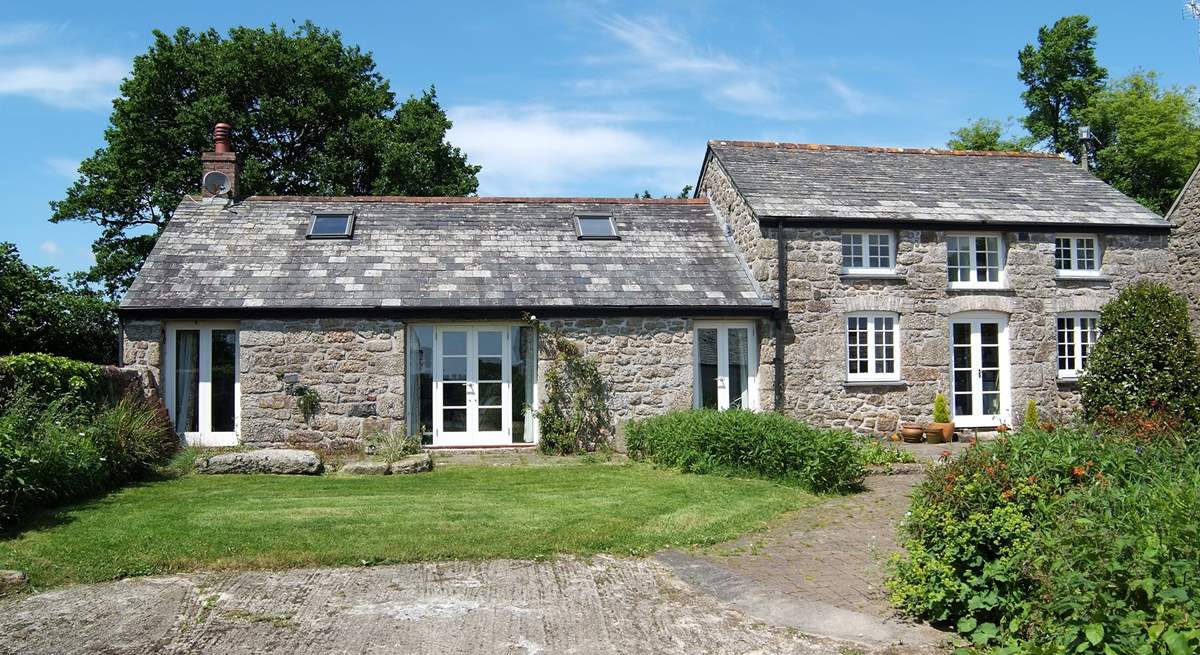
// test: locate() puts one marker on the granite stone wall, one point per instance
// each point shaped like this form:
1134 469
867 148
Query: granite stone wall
1185 246
355 366
819 297
647 362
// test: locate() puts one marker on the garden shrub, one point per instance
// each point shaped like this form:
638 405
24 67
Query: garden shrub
573 417
739 442
392 445
65 450
1146 358
1070 541
48 378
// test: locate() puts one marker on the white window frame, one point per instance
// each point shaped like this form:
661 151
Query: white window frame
866 269
974 283
1073 249
1077 358
872 333
204 436
751 382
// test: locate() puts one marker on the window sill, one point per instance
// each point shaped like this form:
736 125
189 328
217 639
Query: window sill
1071 381
1098 279
854 384
864 275
974 288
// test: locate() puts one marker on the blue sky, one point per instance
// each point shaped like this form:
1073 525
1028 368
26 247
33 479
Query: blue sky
588 98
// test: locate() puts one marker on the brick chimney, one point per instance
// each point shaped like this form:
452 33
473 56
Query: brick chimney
221 159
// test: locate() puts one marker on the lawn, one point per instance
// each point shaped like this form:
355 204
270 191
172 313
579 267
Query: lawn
461 512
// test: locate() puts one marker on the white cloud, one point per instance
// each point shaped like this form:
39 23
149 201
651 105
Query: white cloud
856 102
530 150
654 53
72 83
22 34
63 167
50 248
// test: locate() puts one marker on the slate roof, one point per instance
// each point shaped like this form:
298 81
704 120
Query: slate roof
803 181
442 252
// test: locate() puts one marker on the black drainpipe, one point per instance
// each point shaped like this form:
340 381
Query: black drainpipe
780 312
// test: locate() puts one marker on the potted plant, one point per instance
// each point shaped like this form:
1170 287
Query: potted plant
941 418
912 432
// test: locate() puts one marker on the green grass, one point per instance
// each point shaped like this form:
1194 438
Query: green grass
463 512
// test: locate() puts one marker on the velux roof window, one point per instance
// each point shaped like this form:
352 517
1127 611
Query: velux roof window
331 226
596 227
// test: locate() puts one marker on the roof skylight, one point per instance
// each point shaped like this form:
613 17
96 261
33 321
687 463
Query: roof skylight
331 226
596 227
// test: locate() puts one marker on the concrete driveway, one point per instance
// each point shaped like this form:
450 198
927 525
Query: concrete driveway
602 605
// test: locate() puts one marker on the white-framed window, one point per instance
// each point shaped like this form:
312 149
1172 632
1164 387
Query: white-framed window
725 355
202 381
871 347
1077 335
1077 255
975 260
866 253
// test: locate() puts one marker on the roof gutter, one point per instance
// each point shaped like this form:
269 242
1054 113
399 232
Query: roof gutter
852 223
441 313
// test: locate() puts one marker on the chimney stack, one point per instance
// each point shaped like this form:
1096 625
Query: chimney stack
222 159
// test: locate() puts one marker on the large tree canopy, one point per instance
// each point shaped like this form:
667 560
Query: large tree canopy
41 313
1149 138
310 116
1060 75
987 134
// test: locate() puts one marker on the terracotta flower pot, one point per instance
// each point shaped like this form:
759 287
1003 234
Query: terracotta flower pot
947 430
934 435
912 432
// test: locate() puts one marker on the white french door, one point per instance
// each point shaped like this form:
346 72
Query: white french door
202 381
472 392
979 363
725 358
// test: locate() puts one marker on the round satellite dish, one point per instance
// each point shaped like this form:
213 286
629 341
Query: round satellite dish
216 183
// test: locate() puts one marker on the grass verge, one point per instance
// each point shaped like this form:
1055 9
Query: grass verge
467 512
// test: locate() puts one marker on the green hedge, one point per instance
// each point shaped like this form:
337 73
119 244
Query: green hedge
46 379
63 436
1073 541
740 442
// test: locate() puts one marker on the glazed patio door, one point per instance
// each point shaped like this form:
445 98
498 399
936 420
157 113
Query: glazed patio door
472 393
725 365
979 370
201 382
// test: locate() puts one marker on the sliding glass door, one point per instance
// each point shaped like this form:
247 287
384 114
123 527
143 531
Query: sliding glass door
201 382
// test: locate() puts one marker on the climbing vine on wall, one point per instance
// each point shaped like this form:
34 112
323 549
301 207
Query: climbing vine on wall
574 415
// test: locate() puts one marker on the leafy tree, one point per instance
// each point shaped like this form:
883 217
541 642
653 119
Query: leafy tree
1149 136
310 116
41 313
988 134
1060 75
1146 358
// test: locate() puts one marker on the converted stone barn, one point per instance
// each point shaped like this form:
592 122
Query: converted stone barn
845 286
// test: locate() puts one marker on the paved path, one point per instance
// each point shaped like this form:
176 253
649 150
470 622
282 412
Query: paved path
606 605
820 571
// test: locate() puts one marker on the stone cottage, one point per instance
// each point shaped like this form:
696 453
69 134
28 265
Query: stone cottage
841 285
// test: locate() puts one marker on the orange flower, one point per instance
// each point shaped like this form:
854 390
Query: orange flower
1078 471
1007 494
990 470
1032 479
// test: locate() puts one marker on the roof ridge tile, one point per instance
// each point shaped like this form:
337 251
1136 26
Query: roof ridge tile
824 147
